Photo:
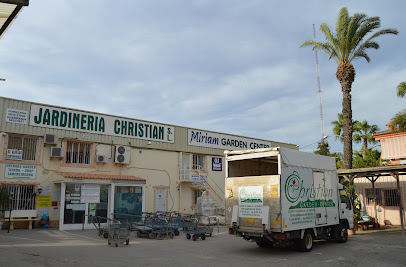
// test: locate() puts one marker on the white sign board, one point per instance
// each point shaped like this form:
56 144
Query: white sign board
250 201
20 171
72 120
14 154
16 116
223 141
90 193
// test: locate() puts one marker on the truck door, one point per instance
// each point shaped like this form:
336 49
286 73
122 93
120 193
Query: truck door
320 209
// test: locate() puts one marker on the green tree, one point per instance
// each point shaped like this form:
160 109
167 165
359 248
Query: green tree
339 160
399 121
371 158
401 89
350 42
323 148
363 133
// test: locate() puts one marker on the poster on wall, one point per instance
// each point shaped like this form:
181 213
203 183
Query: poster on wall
217 164
16 116
20 171
90 193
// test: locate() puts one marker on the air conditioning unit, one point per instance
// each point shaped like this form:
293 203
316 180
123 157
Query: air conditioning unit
57 152
50 139
122 155
102 158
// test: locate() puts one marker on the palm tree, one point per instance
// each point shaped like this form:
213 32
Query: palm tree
349 43
363 134
399 121
401 89
338 127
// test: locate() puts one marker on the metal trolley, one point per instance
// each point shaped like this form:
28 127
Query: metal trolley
119 233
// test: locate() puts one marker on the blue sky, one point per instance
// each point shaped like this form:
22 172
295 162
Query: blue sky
228 66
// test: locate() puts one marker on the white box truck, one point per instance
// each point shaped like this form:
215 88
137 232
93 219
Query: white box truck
286 197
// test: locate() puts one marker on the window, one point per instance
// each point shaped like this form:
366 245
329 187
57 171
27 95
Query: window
78 153
391 197
199 162
370 196
22 197
196 193
22 148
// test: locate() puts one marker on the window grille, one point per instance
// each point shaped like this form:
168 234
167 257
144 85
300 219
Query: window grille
27 144
370 196
391 197
198 162
22 197
78 153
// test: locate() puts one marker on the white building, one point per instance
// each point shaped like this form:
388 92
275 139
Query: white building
68 163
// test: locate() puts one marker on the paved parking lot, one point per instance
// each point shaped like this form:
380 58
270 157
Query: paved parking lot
48 247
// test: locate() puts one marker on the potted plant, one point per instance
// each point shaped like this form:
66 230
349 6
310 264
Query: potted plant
356 205
4 203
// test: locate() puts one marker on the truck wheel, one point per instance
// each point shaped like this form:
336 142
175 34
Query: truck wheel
306 244
342 234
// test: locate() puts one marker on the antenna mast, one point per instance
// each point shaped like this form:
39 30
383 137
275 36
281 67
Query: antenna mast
319 87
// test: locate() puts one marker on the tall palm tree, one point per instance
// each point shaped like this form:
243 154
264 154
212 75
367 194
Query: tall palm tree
350 42
401 89
363 134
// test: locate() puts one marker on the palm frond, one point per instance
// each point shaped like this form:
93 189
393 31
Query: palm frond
401 89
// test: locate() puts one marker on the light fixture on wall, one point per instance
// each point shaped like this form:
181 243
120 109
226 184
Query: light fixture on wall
149 142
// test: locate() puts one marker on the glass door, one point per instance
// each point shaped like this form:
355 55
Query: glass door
74 210
128 200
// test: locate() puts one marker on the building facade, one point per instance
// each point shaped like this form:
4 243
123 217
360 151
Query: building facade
393 147
69 164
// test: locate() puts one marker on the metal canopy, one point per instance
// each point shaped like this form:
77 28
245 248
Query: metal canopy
9 10
373 174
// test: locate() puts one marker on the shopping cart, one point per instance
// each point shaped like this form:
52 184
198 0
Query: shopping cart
119 233
192 229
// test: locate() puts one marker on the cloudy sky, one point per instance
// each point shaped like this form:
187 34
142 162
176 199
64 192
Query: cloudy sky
228 66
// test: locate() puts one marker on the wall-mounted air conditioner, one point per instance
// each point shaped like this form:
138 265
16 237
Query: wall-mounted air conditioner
102 158
50 139
122 155
57 152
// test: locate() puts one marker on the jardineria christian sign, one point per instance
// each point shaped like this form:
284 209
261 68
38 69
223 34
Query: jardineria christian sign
66 119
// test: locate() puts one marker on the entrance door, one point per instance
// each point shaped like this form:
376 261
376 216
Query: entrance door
79 201
320 198
160 199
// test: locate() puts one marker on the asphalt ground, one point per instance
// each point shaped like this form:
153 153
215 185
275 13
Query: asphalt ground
51 247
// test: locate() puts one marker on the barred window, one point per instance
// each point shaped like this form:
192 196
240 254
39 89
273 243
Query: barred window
370 196
199 162
391 197
22 196
22 148
78 153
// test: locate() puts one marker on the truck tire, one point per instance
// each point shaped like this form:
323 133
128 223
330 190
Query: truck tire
306 244
265 244
342 234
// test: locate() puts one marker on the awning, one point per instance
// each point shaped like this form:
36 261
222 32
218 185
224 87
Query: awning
9 11
99 176
373 174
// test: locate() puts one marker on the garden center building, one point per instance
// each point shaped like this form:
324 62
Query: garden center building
68 163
